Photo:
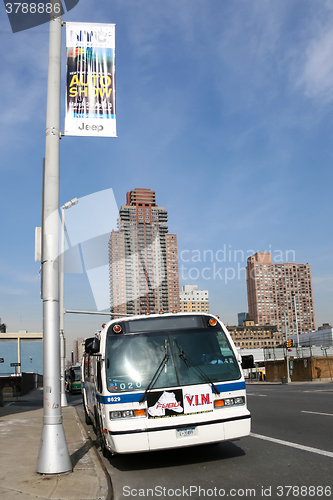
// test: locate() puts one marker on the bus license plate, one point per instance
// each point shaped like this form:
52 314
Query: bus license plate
186 432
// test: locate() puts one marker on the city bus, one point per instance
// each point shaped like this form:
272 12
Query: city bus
161 381
73 379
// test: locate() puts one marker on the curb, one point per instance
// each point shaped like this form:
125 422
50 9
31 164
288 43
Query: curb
98 459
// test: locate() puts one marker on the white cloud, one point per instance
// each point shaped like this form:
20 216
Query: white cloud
7 290
317 74
323 283
12 274
24 77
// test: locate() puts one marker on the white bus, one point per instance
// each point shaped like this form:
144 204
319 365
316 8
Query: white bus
163 381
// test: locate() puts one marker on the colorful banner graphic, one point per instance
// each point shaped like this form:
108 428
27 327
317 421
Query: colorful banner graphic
90 92
196 399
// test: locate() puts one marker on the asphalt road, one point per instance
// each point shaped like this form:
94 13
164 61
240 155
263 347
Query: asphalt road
288 455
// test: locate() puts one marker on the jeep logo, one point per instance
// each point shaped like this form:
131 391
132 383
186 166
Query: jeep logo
97 128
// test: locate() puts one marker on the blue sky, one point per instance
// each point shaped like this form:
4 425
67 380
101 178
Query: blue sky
224 108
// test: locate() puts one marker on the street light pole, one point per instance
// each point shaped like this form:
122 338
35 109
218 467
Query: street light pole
67 205
53 457
296 321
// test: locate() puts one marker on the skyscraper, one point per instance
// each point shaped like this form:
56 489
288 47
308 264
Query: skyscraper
143 258
280 294
78 345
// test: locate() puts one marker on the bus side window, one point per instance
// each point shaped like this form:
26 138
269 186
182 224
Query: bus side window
86 367
91 371
99 378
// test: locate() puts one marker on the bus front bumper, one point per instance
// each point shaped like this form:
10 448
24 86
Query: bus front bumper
162 437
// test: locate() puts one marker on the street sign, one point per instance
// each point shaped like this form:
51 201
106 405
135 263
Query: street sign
15 364
2 360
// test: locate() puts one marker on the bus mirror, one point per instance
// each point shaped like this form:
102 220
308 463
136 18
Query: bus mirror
88 344
92 345
95 346
248 361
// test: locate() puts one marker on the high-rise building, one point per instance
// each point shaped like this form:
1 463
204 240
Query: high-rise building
280 294
241 318
143 258
78 346
193 300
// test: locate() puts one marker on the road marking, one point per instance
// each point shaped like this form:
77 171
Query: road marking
294 445
317 413
253 394
325 391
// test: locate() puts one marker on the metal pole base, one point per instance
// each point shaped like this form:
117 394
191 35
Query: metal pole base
64 402
53 455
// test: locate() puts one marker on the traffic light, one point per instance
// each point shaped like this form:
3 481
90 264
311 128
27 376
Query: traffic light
289 343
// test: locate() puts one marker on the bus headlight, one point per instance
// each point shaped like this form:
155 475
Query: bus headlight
127 414
221 403
115 414
239 400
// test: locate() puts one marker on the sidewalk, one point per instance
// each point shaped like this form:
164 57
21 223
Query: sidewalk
20 435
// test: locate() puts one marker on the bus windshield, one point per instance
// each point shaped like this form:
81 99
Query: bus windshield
193 357
76 373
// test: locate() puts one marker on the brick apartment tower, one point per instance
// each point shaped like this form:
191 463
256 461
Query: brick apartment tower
274 291
193 300
143 258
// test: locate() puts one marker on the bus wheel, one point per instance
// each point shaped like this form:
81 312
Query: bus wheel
87 418
101 438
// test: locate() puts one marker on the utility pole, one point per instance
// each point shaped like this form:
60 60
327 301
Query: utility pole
53 455
63 397
286 335
67 205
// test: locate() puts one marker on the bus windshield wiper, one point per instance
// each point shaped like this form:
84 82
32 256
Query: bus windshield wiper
182 354
156 375
190 364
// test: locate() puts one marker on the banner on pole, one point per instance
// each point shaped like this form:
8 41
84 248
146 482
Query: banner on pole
90 89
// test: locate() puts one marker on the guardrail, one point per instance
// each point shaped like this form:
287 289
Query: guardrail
276 353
